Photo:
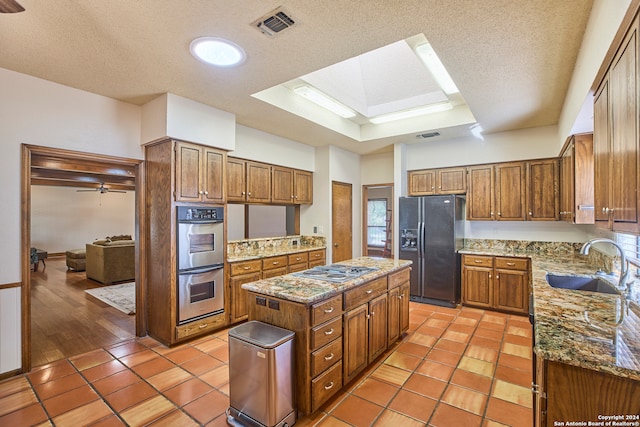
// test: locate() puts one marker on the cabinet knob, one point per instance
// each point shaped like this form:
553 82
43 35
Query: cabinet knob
530 213
243 193
249 193
497 276
499 214
206 193
200 192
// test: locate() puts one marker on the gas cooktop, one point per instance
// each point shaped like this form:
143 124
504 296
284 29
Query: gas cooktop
335 272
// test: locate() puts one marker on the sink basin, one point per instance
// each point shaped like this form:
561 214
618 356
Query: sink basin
581 283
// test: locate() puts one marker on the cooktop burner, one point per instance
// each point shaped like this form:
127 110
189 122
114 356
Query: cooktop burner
335 272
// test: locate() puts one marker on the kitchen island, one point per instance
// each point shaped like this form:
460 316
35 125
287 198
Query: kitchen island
340 327
586 344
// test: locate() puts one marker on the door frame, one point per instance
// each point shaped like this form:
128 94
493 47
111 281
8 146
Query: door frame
25 235
365 215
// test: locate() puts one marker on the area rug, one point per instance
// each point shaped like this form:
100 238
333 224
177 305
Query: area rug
121 296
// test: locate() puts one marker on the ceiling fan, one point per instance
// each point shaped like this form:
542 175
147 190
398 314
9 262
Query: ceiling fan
10 6
102 189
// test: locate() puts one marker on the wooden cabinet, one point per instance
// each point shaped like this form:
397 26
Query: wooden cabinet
616 142
274 266
577 179
248 181
291 186
567 392
510 191
241 273
398 305
438 181
481 194
543 195
500 283
317 257
199 173
298 262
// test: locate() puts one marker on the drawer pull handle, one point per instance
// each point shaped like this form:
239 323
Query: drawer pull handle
369 291
329 386
247 268
275 263
328 310
477 261
328 357
298 258
329 332
511 264
203 326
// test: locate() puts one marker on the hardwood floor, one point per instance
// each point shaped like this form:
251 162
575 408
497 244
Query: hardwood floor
65 321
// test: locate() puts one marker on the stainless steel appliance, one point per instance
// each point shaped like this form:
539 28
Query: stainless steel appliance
431 233
336 273
261 376
200 261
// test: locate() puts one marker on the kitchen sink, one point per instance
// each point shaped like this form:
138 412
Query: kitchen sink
581 283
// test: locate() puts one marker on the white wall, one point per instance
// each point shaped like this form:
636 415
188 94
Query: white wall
64 219
377 168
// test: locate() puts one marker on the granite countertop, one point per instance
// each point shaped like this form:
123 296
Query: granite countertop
258 253
591 330
307 291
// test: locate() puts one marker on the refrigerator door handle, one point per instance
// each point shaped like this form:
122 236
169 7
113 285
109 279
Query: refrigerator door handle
421 238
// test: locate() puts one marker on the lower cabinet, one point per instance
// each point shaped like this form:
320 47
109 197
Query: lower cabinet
500 283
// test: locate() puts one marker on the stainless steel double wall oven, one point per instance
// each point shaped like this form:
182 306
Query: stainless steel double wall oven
200 242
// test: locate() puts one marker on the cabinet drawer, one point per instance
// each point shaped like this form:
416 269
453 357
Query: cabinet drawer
512 263
274 262
201 326
320 335
325 310
326 356
245 267
298 258
297 267
274 272
318 254
397 279
363 293
326 385
479 260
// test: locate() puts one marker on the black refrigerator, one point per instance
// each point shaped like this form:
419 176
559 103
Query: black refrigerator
431 233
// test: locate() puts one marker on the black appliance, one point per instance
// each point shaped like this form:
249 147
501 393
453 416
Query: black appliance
431 233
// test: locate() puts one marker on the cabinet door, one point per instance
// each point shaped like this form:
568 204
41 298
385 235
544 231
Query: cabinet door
511 290
404 308
213 175
510 191
480 195
188 172
477 286
452 181
542 187
239 308
303 187
567 183
258 182
422 182
282 185
601 165
393 318
582 179
356 337
377 326
623 92
236 180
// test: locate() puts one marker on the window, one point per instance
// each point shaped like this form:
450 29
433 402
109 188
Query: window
631 246
376 222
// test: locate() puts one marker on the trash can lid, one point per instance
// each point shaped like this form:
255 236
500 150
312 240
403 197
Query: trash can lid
261 334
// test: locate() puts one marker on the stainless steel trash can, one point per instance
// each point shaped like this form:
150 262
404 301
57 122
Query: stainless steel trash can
261 376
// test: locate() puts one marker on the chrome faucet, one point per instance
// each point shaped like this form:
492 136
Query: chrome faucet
624 264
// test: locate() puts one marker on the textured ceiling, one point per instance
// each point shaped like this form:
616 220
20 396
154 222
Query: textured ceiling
511 59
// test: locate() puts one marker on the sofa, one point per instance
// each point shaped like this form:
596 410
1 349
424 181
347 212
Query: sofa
111 260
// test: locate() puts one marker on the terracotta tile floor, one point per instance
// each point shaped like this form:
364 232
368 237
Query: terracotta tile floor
455 367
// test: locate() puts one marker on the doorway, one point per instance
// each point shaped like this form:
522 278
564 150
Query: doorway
377 220
341 221
51 166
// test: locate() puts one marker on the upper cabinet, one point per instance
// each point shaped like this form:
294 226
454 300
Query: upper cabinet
543 197
576 180
438 181
510 191
255 182
616 144
199 173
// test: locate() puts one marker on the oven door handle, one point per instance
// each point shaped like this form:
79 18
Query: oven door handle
208 221
202 270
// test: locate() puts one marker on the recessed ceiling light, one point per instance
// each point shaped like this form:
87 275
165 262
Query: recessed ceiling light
414 112
435 66
217 51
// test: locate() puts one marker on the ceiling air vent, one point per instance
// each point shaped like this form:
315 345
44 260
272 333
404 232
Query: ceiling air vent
428 135
274 22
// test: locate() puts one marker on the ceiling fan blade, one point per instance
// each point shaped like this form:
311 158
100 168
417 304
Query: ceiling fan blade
10 6
83 191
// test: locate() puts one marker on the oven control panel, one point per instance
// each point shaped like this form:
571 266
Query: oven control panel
187 213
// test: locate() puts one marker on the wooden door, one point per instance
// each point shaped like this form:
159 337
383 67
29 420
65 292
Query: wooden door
188 172
356 337
422 182
282 185
480 195
303 187
393 317
542 188
452 181
567 183
601 158
404 307
624 131
239 307
510 191
511 290
341 223
377 326
477 286
213 175
258 182
236 180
